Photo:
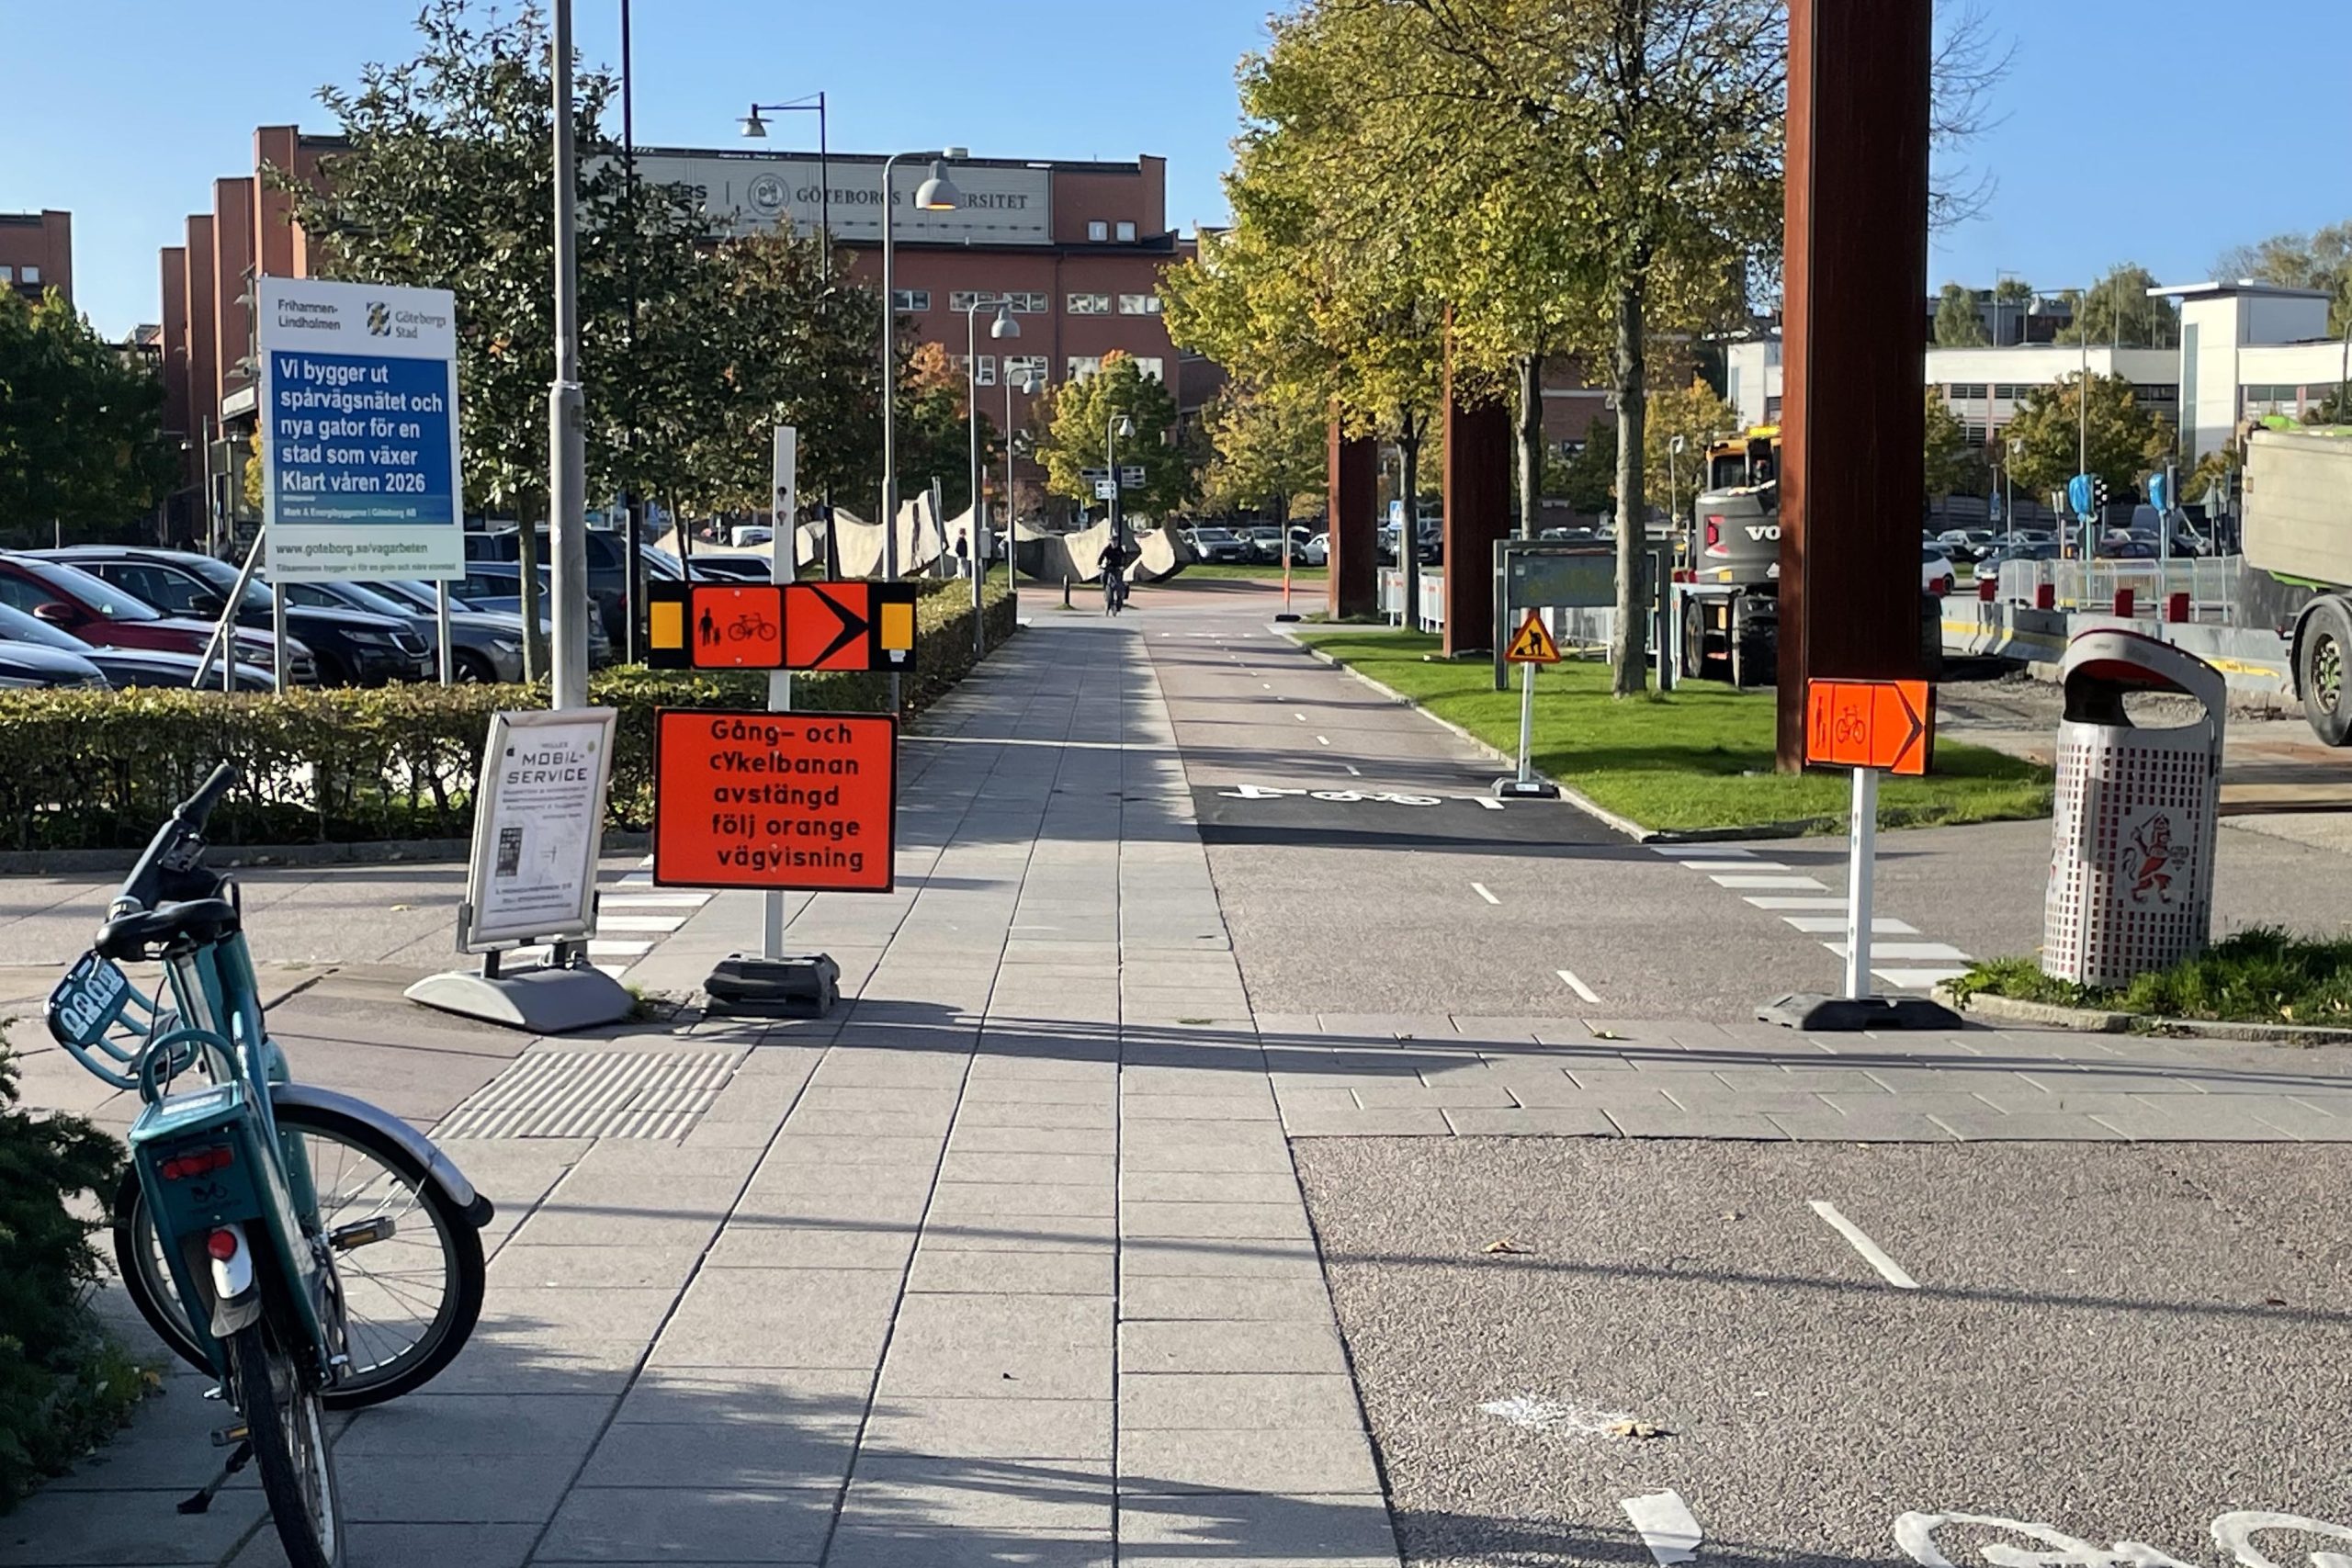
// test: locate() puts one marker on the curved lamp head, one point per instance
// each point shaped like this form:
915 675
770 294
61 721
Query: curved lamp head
1004 325
1125 427
753 125
1022 381
938 194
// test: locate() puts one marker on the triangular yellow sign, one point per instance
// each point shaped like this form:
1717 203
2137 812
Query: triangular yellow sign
1533 645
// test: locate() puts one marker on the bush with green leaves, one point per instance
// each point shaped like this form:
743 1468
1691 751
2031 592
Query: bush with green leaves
99 770
63 1382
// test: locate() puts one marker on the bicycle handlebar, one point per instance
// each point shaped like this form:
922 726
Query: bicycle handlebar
185 825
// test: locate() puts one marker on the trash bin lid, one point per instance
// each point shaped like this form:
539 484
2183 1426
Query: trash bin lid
2102 665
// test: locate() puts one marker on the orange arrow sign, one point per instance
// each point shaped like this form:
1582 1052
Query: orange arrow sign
1886 724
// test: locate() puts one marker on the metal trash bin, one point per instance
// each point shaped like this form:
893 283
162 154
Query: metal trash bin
2131 842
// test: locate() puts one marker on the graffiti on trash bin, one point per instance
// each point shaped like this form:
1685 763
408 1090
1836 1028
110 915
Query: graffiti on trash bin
2152 855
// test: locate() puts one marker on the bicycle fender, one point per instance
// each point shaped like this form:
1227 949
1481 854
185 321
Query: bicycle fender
443 1170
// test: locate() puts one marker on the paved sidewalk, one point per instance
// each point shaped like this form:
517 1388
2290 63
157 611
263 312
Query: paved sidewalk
1004 1262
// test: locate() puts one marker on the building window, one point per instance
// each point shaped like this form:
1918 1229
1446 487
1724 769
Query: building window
984 372
1090 305
1127 234
8 275
1098 231
1139 304
1975 435
912 301
964 300
1151 365
28 274
1964 390
1081 365
2008 391
1028 304
1036 365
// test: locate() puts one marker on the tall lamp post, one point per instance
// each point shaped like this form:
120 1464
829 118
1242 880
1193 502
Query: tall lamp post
756 129
1012 512
1004 326
936 194
1117 425
567 454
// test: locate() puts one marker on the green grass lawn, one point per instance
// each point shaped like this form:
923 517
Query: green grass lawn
2261 976
1254 573
1698 758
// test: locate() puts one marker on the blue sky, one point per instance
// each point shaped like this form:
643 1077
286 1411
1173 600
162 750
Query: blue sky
2155 130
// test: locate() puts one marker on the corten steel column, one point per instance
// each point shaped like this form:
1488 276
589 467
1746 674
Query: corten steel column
1352 479
1480 447
1853 416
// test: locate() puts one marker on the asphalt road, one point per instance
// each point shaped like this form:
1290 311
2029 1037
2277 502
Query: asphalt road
2122 1342
1360 875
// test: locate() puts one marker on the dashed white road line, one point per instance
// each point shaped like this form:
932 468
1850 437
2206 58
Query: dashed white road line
1322 740
1578 987
1488 802
1300 717
1783 901
1766 881
1835 925
653 901
1872 1254
1480 889
1919 979
1750 865
1910 952
1352 769
663 923
1665 1525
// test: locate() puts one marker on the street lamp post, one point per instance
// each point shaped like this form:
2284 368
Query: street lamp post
2010 486
757 130
936 194
1004 326
1118 424
1012 511
567 455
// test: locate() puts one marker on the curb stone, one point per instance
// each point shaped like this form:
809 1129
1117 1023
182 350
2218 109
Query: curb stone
2101 1020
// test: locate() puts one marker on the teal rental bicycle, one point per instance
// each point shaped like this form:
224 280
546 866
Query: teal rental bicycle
312 1251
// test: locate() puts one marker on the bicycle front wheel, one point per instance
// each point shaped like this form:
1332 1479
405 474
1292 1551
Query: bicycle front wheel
411 1296
286 1424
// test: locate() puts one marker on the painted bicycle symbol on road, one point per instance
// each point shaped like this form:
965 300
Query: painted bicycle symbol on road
1343 797
2233 1533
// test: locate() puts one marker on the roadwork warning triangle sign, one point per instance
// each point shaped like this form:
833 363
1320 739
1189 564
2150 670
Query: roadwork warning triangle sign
1533 645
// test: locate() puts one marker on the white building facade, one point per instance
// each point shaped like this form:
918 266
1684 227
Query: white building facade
2247 349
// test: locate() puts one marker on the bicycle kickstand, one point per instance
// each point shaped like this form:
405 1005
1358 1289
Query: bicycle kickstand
200 1501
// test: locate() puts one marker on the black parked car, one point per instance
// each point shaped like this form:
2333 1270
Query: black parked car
497 587
352 648
608 566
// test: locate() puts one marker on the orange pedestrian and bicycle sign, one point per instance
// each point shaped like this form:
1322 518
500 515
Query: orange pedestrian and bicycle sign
1535 643
780 625
1889 725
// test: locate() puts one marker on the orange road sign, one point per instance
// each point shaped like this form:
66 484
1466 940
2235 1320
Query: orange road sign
802 802
793 625
1533 645
1886 724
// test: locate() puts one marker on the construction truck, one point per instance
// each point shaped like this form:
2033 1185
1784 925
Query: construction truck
2297 522
1729 561
1728 580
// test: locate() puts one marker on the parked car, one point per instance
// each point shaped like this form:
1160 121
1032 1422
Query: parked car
716 567
1317 551
1262 543
124 668
1934 570
1219 547
497 587
608 566
1988 566
98 612
1964 545
349 647
38 657
482 646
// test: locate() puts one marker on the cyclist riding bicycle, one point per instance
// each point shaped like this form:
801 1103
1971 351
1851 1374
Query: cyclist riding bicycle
1114 562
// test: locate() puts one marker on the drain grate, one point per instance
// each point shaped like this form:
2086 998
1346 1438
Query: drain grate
594 1094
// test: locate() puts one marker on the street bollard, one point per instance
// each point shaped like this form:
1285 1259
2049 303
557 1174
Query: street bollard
2045 596
1987 590
2177 609
1065 591
2123 604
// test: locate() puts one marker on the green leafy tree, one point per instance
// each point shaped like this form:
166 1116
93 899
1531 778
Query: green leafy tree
1077 429
1957 323
2127 440
2118 311
2321 259
1587 480
1266 450
82 446
934 431
1697 414
1956 465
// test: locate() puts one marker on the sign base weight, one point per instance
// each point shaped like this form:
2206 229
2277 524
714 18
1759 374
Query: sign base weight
1835 1015
1525 789
799 985
544 1000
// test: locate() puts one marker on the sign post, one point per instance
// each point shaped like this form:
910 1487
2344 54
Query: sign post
1868 727
784 564
1533 645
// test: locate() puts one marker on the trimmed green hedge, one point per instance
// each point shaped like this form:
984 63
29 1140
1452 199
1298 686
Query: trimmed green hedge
99 770
64 1384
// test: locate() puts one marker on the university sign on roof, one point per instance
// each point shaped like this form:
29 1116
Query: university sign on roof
1003 205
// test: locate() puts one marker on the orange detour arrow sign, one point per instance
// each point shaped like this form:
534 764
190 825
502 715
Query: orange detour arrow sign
1885 725
1533 645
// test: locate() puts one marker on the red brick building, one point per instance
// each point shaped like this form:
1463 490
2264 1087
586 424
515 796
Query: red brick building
1076 249
37 252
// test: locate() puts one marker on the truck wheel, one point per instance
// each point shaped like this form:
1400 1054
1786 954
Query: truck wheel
2321 673
1694 640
